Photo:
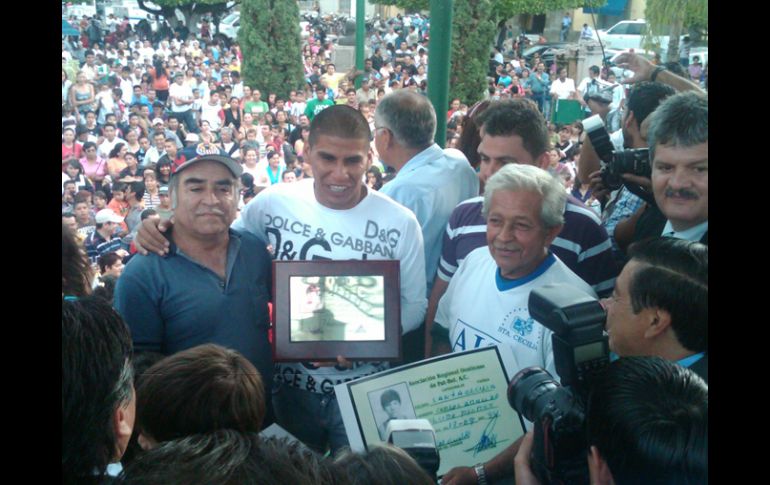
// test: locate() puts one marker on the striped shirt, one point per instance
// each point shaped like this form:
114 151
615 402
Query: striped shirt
582 244
96 245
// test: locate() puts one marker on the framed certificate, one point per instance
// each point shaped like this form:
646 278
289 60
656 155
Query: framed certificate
463 395
323 309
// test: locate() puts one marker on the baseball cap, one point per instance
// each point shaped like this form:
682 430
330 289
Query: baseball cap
156 121
107 215
232 165
163 190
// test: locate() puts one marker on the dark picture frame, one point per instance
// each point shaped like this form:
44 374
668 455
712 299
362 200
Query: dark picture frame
322 309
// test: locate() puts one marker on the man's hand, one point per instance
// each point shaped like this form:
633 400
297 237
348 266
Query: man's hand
598 189
641 67
460 475
644 182
150 237
524 475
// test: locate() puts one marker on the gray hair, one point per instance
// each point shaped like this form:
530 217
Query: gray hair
515 177
410 116
681 120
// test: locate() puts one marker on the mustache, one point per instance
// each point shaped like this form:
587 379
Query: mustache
681 193
215 212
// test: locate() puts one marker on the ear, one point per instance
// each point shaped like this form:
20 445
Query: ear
123 423
598 470
659 322
543 161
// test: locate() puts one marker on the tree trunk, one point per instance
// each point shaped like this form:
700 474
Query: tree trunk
672 54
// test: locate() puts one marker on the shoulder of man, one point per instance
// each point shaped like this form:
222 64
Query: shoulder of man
468 212
563 274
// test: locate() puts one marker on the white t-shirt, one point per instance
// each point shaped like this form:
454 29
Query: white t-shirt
106 147
563 90
183 92
300 228
210 113
479 308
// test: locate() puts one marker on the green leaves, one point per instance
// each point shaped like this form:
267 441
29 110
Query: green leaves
270 41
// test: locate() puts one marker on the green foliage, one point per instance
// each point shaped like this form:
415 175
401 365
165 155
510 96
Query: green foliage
473 31
185 3
472 35
408 5
270 41
660 13
503 9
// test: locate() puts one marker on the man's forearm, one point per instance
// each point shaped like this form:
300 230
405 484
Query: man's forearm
439 288
677 82
589 160
501 466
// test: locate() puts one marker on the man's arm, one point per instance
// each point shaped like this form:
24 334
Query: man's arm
501 466
589 161
411 255
643 70
439 288
625 229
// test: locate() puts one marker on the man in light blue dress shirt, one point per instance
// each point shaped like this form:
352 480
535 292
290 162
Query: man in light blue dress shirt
429 181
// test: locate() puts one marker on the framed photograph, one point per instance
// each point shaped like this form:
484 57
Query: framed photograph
463 395
323 309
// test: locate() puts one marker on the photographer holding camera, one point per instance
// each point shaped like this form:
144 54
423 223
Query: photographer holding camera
642 100
653 84
647 422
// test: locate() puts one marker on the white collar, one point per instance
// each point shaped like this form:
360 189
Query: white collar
694 233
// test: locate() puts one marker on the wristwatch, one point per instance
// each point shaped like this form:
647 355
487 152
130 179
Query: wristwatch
481 475
655 73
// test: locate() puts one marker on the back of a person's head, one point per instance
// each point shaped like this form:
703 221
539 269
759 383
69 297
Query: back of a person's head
199 390
674 276
645 97
381 465
97 379
228 457
409 116
648 418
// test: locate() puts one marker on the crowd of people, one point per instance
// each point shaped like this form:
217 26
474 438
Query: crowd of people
181 184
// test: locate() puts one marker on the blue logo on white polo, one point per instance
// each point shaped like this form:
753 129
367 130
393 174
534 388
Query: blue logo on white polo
523 327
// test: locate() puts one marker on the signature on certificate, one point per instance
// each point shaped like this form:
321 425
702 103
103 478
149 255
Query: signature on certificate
488 438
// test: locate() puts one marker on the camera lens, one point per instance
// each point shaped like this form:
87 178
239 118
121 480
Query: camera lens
526 388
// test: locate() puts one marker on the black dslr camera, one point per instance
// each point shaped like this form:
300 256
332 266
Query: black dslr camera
581 351
616 163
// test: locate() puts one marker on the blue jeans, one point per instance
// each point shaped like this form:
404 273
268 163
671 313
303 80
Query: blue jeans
313 418
188 119
539 98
